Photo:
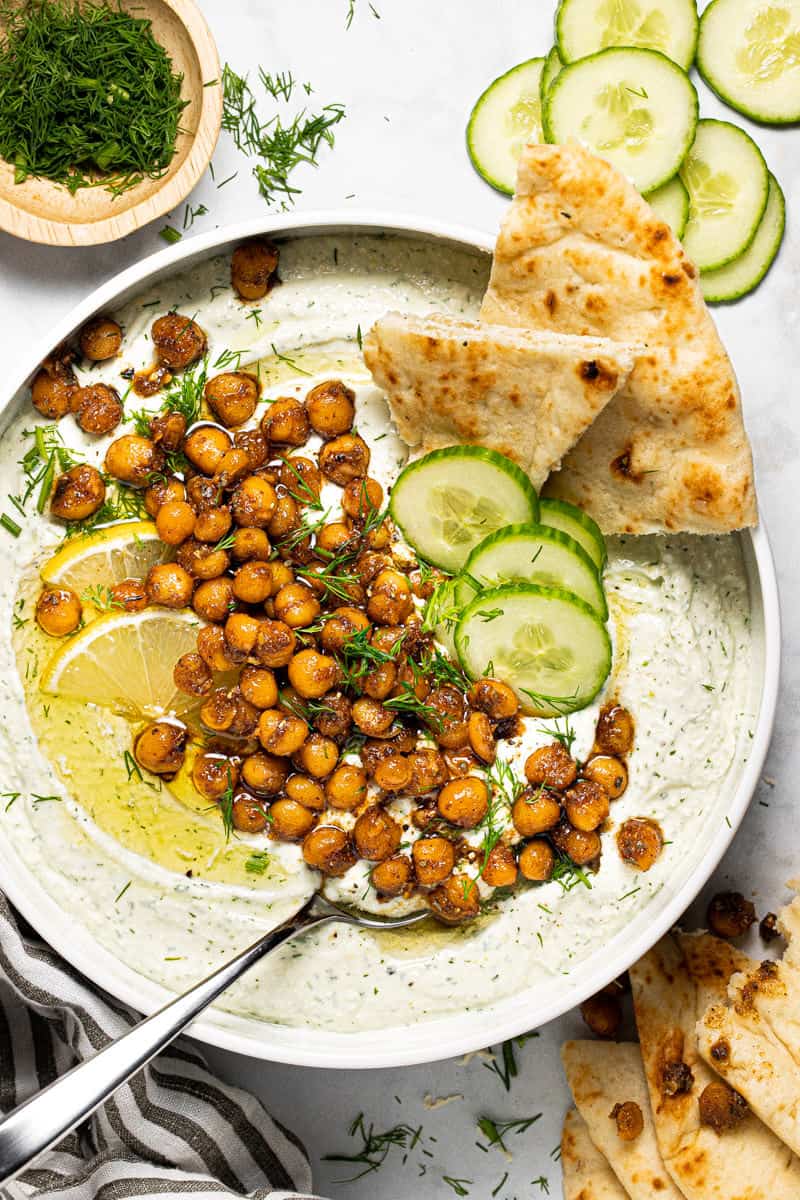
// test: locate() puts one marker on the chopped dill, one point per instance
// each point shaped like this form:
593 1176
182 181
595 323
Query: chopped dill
376 1146
496 1131
170 234
257 863
289 361
122 891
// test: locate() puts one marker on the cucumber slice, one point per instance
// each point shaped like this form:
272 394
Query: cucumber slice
560 514
747 271
586 26
552 67
671 204
728 184
635 108
551 647
506 116
749 54
531 554
449 500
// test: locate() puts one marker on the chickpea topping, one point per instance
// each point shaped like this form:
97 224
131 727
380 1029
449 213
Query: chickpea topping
677 1078
583 848
178 341
54 386
289 820
614 734
286 422
481 736
219 711
500 868
241 631
258 686
169 585
376 834
232 396
160 491
232 468
168 430
640 842
721 1108
253 502
306 791
132 459
328 849
392 876
212 648
768 927
586 805
340 627
434 859
450 730
334 718
296 605
346 788
202 561
371 717
602 1014
214 774
629 1120
129 594
58 611
729 915
301 478
254 444
331 408
464 802
160 748
212 524
391 601
192 675
247 815
78 493
318 756
175 522
610 773
264 773
393 773
361 498
253 268
205 447
428 770
344 458
552 766
535 812
250 544
536 861
281 733
100 338
213 599
455 900
275 644
496 699
98 408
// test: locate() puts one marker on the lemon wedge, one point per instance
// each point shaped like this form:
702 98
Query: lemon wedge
106 556
124 661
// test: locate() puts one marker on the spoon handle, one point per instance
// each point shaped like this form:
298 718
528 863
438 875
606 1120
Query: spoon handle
43 1120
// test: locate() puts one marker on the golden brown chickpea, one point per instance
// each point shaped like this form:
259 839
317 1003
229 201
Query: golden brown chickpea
133 459
289 820
160 748
331 408
535 812
58 611
281 733
586 805
450 730
100 338
536 861
730 915
371 717
296 605
214 774
392 876
583 848
253 502
247 815
168 430
481 736
250 544
376 834
233 396
393 773
254 444
380 681
162 491
218 712
500 868
610 773
201 560
332 538
301 478
374 752
275 644
340 627
241 631
212 524
54 386
640 842
428 770
346 788
629 1120
78 493
614 733
253 268
213 599
318 756
192 675
252 583
206 446
390 600
460 762
264 773
379 537
306 791
496 699
361 498
98 408
177 340
464 802
328 849
285 518
285 423
258 686
602 1014
232 468
434 859
334 718
169 585
721 1108
344 458
245 717
175 522
455 900
129 594
552 766
203 493
212 648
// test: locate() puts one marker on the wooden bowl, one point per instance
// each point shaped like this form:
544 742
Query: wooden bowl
41 211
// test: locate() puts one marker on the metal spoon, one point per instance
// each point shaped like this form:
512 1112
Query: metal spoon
43 1120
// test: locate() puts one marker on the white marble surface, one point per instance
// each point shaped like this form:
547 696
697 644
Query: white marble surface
408 79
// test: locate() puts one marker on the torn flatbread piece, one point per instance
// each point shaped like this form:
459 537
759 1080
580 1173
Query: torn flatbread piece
753 1039
672 986
581 252
586 1174
526 395
601 1075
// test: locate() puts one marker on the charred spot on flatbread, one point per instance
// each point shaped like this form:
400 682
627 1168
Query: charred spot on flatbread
597 372
676 1078
765 980
621 467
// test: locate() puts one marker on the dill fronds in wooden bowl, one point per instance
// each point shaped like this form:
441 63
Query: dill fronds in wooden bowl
109 113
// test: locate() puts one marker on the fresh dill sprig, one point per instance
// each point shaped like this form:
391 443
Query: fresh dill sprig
569 875
185 394
496 1131
101 597
376 1146
257 863
226 807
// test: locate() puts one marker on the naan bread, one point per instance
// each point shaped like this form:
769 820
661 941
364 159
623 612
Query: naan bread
600 1075
586 1174
527 395
753 1040
672 987
581 252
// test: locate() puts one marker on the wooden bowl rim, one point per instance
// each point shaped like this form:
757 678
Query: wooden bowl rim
53 232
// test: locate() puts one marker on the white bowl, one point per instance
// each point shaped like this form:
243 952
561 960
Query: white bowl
454 1034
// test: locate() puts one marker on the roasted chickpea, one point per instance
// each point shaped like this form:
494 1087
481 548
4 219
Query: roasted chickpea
245 717
730 915
371 717
392 876
100 338
78 493
169 585
177 340
247 815
586 805
361 498
639 842
306 791
312 674
213 599
428 770
376 834
253 502
434 859
175 522
344 458
536 861
129 594
535 812
241 631
331 408
289 820
602 1014
481 736
390 600
98 408
133 459
275 644
346 788
206 446
318 756
393 773
202 493
160 747
218 712
464 802
253 268
58 611
250 544
212 648
201 560
285 422
258 686
162 491
380 681
721 1108
552 766
296 605
285 518
54 386
583 848
301 477
334 718
254 444
614 733
214 774
233 396
281 733
500 868
192 675
264 773
610 773
496 699
340 627
328 849
168 430
629 1120
455 900
332 538
450 730
212 524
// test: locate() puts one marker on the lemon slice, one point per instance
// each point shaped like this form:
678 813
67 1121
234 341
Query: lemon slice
124 661
106 557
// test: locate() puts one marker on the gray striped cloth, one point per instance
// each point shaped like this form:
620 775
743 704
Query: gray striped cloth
174 1130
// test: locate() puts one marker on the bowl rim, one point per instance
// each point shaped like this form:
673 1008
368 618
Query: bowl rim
438 1038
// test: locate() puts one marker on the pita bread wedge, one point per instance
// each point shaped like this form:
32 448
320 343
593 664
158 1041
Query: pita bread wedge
586 1174
672 986
753 1039
581 252
527 395
600 1075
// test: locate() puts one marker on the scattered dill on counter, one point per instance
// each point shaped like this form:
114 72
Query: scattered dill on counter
376 1146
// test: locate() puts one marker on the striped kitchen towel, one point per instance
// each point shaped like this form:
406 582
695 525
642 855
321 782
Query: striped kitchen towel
175 1130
